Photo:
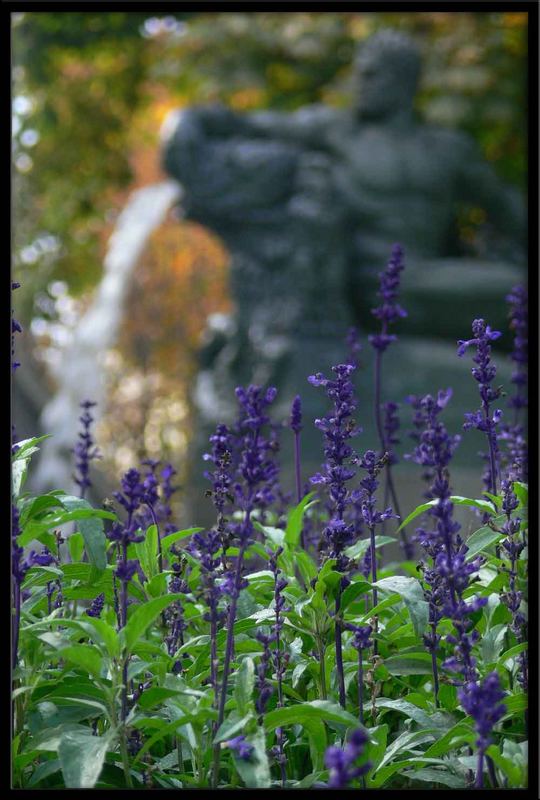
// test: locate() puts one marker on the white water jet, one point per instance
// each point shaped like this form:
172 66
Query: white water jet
80 374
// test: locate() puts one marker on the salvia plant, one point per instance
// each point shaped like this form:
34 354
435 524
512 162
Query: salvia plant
284 646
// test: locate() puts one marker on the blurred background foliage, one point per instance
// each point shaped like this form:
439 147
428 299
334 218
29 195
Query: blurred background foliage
90 92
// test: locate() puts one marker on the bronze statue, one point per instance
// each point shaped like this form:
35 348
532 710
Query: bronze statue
309 204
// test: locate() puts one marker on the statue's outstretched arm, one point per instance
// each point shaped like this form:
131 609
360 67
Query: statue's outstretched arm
308 126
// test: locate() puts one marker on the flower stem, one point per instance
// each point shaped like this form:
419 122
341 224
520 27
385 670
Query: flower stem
322 671
339 653
16 622
228 654
125 758
479 783
378 422
298 478
374 580
435 677
360 687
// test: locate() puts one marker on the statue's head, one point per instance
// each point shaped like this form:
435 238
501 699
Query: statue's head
386 72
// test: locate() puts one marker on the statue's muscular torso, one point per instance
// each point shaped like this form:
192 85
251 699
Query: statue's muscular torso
399 183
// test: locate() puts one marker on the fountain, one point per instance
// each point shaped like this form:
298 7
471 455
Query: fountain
80 375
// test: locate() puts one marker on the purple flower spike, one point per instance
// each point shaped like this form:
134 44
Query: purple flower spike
96 606
263 685
163 510
513 433
85 450
361 636
389 310
242 748
484 373
340 761
482 701
338 428
221 477
296 414
519 323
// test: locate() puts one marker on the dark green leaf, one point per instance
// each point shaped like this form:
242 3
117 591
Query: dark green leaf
244 685
295 520
231 726
435 775
255 772
81 758
409 664
316 709
177 536
480 540
142 618
413 596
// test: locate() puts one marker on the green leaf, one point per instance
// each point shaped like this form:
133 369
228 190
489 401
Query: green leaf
382 775
255 772
85 656
306 565
405 742
409 664
91 529
517 753
147 552
302 712
492 643
316 733
376 746
409 709
157 586
155 696
295 519
25 445
515 703
480 540
231 726
76 546
483 505
34 506
416 513
105 633
360 548
20 461
276 535
81 758
177 536
435 775
244 685
42 771
142 618
354 590
448 697
451 740
513 651
411 591
18 476
521 490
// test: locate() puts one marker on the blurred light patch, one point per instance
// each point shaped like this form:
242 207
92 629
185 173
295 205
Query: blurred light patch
29 137
23 163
